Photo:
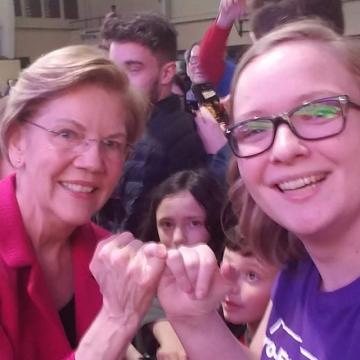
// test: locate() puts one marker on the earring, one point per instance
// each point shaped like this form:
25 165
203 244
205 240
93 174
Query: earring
18 163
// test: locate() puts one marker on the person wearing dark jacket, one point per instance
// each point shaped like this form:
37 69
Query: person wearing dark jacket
145 45
170 144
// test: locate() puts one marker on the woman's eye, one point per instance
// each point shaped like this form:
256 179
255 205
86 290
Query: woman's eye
68 134
135 68
319 111
166 224
113 145
195 223
253 129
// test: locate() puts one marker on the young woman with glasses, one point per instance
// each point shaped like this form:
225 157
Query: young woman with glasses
295 110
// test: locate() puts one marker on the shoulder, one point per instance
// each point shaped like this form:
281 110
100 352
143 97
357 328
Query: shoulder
87 236
171 123
296 276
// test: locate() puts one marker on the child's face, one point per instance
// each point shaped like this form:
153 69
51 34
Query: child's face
180 220
252 286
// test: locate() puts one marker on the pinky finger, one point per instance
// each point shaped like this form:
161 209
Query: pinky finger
175 264
207 269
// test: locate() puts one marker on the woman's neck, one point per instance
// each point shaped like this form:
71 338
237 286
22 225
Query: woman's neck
44 230
336 254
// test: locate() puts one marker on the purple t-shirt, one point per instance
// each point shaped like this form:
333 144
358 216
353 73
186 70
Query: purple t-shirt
307 323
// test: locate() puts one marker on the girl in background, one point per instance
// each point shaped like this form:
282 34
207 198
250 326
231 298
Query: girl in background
185 210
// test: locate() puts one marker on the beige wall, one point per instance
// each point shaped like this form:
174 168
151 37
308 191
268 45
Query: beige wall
94 8
34 37
190 32
352 17
35 42
9 69
191 18
193 10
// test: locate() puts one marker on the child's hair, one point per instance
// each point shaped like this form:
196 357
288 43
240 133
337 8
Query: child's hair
235 241
206 191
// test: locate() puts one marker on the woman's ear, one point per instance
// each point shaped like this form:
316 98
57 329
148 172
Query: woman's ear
168 71
16 146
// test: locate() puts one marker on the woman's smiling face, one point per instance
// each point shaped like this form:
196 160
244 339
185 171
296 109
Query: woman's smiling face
303 185
67 184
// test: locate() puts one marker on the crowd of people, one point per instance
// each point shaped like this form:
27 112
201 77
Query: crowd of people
134 225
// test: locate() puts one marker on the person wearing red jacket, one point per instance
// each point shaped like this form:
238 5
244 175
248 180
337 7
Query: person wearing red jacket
66 130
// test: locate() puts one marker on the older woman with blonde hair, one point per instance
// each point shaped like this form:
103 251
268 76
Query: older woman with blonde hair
67 128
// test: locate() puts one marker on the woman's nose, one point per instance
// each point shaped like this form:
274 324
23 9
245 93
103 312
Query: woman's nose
90 157
287 146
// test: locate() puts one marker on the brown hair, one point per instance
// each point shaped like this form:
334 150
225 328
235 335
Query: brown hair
148 29
255 232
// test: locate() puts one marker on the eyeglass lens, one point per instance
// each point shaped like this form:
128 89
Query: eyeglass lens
316 120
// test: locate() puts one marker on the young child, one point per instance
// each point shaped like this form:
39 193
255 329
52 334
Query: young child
253 278
185 209
251 274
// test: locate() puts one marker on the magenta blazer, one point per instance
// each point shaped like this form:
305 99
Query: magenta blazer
30 326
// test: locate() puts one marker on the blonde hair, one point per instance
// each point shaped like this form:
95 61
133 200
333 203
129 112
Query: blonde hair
266 237
65 69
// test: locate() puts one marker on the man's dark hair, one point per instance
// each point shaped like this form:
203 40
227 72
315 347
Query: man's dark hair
265 15
147 29
187 53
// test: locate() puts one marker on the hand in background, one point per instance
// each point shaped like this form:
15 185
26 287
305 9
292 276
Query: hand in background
229 12
210 132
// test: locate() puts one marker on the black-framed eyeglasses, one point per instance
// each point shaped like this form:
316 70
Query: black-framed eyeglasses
66 139
314 120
